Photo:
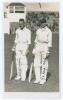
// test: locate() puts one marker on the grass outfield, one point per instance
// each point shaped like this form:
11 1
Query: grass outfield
52 84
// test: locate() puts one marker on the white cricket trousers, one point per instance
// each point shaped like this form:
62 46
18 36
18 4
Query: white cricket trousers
21 65
41 61
37 63
44 67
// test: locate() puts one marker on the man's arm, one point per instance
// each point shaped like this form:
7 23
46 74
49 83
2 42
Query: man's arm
49 40
16 38
36 39
15 41
29 37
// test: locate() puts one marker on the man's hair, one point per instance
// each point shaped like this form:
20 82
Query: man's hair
43 20
21 19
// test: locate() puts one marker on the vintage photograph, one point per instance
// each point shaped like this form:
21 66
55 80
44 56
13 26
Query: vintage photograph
31 47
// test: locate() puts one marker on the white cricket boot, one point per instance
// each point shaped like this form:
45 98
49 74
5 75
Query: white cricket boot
42 81
17 78
36 81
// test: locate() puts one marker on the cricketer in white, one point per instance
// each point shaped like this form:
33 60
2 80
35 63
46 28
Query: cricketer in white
43 42
22 42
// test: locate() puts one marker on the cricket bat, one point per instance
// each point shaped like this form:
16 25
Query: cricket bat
11 73
30 74
12 63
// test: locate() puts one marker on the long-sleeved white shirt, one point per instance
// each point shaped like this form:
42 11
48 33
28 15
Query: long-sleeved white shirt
23 36
44 35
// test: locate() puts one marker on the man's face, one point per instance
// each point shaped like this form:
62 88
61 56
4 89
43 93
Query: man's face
43 25
21 24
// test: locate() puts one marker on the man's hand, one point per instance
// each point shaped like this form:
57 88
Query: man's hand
49 49
13 49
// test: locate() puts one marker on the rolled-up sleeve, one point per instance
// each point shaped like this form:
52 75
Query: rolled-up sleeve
16 38
36 39
29 37
49 39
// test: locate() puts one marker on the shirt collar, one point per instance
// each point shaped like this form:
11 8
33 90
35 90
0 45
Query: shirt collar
22 29
44 28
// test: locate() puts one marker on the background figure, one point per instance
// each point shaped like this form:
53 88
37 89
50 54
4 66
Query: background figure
43 42
22 41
